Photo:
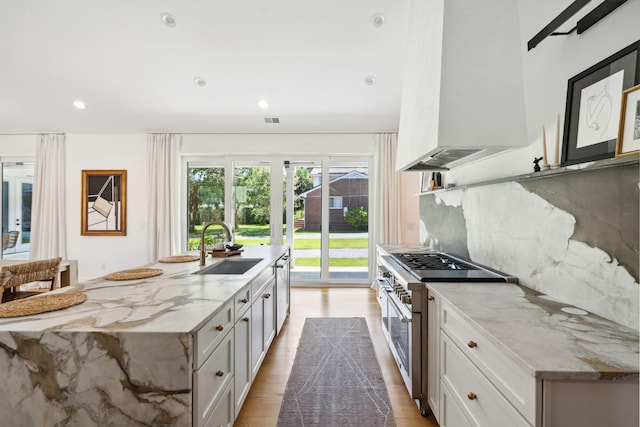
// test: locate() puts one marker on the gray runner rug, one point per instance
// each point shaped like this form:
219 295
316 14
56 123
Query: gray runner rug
335 379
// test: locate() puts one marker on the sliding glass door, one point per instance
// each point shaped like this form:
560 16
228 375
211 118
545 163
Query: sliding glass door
17 191
317 206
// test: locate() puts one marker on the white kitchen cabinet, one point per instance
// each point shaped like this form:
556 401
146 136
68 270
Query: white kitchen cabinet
242 360
483 384
510 379
262 326
476 396
433 353
212 333
451 415
212 379
223 413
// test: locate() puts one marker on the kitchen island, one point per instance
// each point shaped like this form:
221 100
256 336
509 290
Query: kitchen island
136 352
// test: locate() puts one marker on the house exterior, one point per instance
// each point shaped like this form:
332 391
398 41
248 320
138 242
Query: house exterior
348 190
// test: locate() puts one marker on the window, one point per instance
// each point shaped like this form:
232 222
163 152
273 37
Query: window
335 202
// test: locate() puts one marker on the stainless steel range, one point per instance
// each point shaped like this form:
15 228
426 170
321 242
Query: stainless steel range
401 279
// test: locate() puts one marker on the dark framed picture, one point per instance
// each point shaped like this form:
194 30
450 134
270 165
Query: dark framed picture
592 115
629 132
104 203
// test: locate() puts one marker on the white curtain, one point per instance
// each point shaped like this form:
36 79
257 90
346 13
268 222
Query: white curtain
163 225
387 186
48 208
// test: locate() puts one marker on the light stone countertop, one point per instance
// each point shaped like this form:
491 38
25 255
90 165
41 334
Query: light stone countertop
535 332
177 301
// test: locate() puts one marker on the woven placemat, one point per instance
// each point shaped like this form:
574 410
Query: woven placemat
41 304
136 273
180 258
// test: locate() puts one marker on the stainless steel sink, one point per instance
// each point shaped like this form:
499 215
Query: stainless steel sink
231 266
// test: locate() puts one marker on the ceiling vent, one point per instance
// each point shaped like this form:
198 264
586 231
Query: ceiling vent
274 120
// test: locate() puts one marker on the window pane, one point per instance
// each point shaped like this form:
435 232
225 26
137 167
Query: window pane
348 220
307 219
205 202
252 203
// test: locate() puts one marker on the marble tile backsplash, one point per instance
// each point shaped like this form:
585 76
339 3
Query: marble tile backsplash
571 236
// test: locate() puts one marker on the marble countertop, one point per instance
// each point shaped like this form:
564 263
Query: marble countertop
177 301
548 338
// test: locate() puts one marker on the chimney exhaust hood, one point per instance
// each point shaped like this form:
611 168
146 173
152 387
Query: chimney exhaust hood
448 158
463 89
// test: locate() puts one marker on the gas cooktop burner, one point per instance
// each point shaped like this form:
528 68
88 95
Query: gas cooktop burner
442 267
432 261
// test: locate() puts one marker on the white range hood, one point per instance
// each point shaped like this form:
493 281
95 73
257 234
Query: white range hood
463 96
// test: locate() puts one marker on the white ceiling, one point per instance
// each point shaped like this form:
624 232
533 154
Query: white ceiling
308 58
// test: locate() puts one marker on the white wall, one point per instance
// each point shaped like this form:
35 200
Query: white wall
547 69
99 255
270 144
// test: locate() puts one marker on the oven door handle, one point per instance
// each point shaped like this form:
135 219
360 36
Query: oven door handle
403 318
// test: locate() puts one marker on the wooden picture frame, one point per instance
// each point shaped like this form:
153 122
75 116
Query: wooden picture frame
104 203
593 106
629 129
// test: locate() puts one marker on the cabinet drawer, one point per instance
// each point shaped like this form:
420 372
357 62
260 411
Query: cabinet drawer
222 415
451 414
505 374
210 380
243 302
210 335
257 284
479 400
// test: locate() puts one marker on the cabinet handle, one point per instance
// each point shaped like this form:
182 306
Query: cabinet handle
472 344
246 319
220 373
244 300
472 396
266 296
431 298
219 328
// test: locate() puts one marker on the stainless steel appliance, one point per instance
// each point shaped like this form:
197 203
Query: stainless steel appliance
401 279
283 282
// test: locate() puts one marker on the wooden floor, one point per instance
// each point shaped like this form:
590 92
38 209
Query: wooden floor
262 405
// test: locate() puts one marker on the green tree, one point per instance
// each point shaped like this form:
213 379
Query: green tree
357 218
301 182
257 181
206 189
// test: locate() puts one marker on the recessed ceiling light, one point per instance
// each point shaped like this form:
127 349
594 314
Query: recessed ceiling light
377 20
200 82
263 104
168 19
369 80
79 105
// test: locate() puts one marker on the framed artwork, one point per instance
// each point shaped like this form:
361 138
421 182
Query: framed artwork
104 203
592 115
629 132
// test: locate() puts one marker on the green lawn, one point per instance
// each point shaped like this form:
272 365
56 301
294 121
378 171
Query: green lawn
333 262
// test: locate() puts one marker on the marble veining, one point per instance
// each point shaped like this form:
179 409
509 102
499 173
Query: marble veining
546 341
520 233
122 358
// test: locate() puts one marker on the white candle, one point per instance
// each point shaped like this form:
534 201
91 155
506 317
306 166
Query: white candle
556 157
544 146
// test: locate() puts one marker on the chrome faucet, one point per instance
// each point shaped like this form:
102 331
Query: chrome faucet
227 233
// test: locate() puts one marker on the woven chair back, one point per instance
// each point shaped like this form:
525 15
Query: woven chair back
15 275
